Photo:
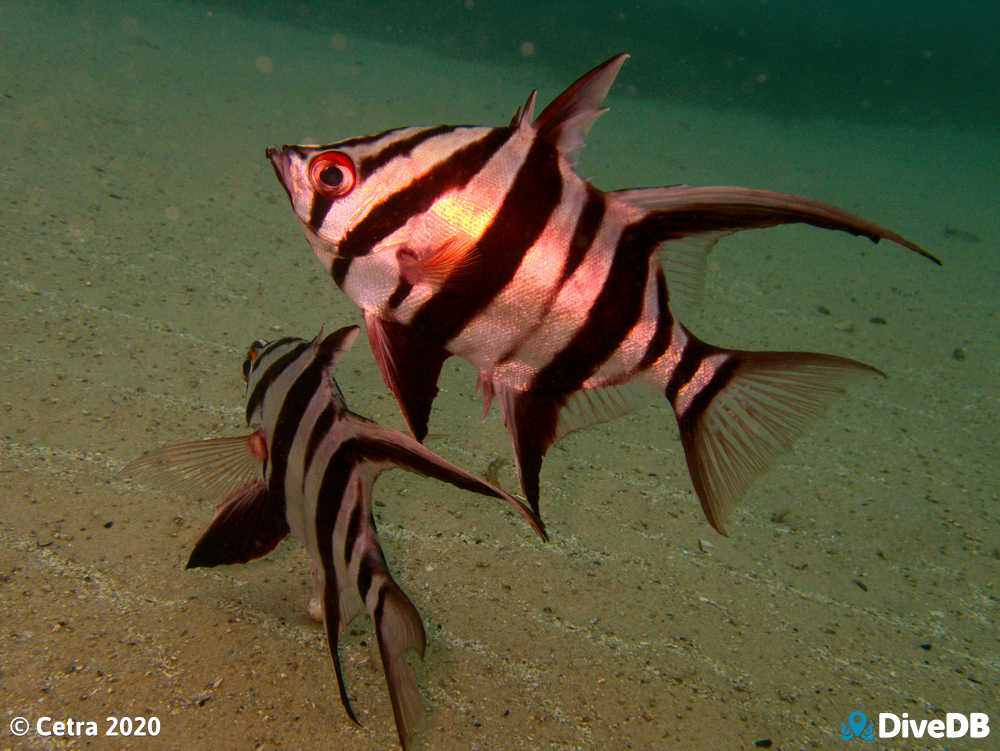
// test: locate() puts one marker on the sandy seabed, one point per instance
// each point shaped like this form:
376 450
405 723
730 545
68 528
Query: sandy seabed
146 243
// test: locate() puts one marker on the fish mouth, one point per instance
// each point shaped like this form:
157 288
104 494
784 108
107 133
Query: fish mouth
280 162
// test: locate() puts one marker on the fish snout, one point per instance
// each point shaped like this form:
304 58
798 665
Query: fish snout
279 159
281 163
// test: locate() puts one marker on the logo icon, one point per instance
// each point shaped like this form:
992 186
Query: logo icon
857 726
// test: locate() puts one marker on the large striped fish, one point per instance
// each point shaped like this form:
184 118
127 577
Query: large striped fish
309 466
486 244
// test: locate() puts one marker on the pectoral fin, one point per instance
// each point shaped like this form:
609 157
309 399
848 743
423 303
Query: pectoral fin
211 468
249 522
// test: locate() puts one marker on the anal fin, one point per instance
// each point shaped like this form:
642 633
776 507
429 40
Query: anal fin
532 421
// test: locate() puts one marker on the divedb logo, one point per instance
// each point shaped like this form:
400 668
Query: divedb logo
891 725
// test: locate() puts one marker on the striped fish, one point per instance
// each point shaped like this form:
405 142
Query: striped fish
308 467
486 244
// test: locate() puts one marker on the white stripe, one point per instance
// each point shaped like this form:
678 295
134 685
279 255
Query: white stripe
700 379
659 373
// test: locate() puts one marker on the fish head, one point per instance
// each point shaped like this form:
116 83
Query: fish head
271 368
259 391
333 187
253 354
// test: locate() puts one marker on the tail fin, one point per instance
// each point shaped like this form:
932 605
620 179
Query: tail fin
399 630
354 554
738 411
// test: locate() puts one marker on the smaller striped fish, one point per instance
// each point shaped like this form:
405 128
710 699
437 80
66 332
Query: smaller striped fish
309 467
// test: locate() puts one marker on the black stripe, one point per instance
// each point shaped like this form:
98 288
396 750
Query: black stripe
357 141
305 153
293 406
320 429
302 153
380 601
693 353
371 563
332 489
267 378
588 222
353 527
371 164
393 212
399 294
379 607
271 346
587 225
522 218
708 392
317 212
331 494
660 341
321 204
615 311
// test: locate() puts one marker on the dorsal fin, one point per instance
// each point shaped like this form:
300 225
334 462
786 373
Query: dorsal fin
565 122
694 219
523 115
329 350
683 211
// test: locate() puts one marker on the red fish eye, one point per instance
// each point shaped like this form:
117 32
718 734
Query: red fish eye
332 174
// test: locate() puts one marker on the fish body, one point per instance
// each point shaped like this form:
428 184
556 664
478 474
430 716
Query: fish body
486 244
309 467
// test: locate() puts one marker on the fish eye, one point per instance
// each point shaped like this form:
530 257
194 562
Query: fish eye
332 174
251 358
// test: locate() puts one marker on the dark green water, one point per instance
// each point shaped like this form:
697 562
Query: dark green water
888 60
